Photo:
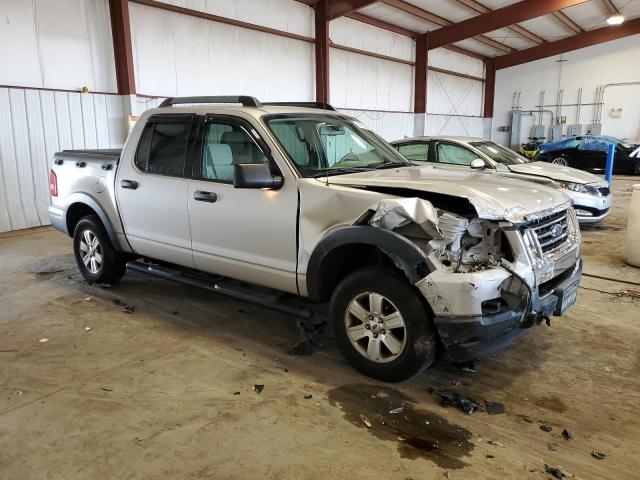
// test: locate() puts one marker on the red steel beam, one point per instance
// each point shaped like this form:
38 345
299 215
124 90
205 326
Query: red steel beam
489 87
322 51
420 71
586 39
339 8
123 53
496 19
381 24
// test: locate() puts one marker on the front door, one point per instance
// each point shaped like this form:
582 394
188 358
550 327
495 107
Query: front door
243 233
152 188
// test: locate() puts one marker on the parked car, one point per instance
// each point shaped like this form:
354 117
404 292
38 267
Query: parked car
591 195
589 152
269 203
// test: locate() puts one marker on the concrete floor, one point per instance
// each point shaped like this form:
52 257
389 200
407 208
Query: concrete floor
166 392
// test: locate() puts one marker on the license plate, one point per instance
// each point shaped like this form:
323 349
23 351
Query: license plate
569 297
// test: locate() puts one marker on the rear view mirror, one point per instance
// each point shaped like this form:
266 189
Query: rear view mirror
254 175
478 164
331 130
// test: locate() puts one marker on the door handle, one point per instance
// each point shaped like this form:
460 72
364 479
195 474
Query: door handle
201 196
131 184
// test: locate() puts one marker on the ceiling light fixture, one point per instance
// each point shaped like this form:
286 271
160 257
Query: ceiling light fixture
615 19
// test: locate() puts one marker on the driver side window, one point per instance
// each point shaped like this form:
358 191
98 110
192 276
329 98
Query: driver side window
454 154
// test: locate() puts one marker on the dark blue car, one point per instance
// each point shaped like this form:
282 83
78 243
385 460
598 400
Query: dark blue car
589 152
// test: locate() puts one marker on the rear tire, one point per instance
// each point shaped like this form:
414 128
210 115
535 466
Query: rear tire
382 325
96 258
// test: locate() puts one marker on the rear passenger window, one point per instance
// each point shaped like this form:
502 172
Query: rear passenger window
226 144
414 151
163 148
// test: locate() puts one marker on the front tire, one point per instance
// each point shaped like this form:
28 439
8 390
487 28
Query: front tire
382 326
96 258
560 161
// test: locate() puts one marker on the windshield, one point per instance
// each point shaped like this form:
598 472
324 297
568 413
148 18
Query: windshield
322 145
499 154
622 143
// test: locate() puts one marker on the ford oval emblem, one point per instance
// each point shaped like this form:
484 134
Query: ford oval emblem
556 230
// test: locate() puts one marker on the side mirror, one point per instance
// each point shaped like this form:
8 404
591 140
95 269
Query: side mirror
478 164
254 175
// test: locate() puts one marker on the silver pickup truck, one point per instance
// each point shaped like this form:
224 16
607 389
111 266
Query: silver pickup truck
274 202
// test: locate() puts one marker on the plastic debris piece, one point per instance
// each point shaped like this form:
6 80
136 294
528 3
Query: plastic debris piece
527 419
490 456
258 388
551 447
106 389
87 329
87 299
567 434
598 455
496 444
236 393
396 410
128 309
43 340
366 421
464 403
545 427
308 396
494 408
554 472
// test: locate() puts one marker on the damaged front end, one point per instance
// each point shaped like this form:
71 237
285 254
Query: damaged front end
488 279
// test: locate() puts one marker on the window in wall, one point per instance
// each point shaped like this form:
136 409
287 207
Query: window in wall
226 144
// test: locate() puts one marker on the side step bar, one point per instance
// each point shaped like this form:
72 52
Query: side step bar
224 288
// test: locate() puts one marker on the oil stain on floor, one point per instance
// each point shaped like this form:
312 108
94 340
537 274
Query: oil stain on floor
418 433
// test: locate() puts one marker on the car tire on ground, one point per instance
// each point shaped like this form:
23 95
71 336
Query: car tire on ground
382 325
96 258
560 161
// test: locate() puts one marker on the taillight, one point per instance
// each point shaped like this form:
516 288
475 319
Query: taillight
53 183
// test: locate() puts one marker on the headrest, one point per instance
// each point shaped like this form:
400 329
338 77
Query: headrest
234 137
221 154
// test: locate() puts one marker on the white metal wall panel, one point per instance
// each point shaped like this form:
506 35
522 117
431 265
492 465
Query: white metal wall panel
287 15
454 125
64 44
354 34
389 125
361 82
453 95
448 60
181 55
35 125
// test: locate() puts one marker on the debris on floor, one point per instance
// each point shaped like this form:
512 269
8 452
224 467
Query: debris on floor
633 293
546 428
598 455
554 472
495 444
43 340
567 434
87 329
526 418
87 299
236 393
258 388
396 410
494 408
551 447
106 389
128 309
366 421
490 456
450 398
304 348
308 396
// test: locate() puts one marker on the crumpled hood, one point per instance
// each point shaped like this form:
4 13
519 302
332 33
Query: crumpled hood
555 172
494 197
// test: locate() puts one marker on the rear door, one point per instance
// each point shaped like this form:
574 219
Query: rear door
414 151
243 233
152 188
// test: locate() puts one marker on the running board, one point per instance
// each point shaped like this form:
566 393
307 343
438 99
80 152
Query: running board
224 288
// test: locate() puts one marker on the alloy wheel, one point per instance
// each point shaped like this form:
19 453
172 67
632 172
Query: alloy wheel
90 251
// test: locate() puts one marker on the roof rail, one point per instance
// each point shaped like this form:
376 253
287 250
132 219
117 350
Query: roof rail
320 105
245 100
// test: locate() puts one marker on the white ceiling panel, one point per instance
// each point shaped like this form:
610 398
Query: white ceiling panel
397 17
478 47
588 15
510 38
547 27
495 4
630 9
447 9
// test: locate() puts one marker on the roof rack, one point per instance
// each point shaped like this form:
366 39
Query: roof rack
244 100
320 105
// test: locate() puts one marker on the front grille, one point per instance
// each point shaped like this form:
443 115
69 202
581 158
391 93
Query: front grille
551 231
604 191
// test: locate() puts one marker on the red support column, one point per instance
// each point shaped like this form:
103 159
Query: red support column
420 82
121 31
322 51
489 86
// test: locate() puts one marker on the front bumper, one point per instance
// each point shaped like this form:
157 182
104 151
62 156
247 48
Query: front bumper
468 337
590 208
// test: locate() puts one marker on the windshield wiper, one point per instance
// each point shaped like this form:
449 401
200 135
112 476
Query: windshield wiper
381 165
337 171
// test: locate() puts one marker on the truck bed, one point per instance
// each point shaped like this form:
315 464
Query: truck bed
105 155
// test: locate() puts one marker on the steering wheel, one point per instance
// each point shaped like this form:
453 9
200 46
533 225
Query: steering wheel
348 157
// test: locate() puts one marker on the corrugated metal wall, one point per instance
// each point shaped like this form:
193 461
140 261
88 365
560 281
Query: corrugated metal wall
35 125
